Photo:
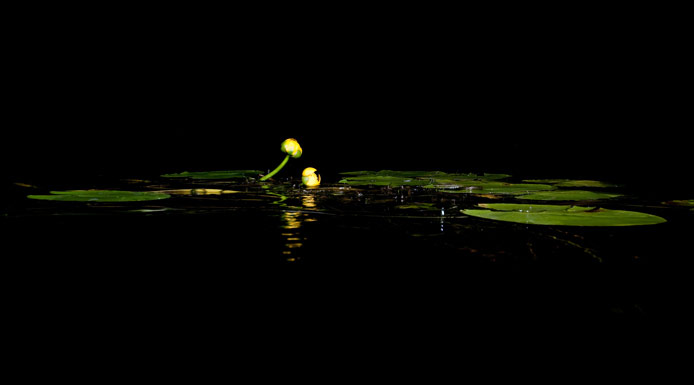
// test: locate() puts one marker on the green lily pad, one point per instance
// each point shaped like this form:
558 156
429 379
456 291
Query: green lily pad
562 215
546 181
101 196
383 180
568 195
437 179
419 206
585 183
226 174
571 182
442 176
493 188
681 202
538 208
389 178
393 173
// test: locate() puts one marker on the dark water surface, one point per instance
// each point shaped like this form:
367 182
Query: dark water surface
365 271
366 249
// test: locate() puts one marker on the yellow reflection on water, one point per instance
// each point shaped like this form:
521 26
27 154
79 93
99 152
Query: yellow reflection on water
308 201
292 237
199 191
292 222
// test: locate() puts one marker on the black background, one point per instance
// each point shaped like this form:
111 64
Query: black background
152 92
97 94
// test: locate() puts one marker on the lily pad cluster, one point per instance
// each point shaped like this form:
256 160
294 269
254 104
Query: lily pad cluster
482 184
572 182
565 192
568 195
438 180
496 185
578 201
390 178
224 174
681 202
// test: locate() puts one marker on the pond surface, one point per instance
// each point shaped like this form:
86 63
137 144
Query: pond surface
407 243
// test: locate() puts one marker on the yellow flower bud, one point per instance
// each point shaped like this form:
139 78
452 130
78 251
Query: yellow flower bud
310 178
292 148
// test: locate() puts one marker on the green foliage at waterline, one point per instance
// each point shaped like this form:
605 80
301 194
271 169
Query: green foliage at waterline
390 178
438 180
419 206
561 215
101 196
491 188
681 202
568 195
572 183
225 174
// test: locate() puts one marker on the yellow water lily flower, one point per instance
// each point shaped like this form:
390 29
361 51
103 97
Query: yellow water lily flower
310 177
292 148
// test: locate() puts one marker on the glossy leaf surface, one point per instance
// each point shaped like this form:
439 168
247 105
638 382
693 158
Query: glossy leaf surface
572 183
568 195
225 174
562 215
101 196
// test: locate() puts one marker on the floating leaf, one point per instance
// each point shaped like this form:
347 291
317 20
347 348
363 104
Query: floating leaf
442 176
419 206
390 178
393 173
680 202
524 207
562 215
585 183
101 196
494 188
199 191
382 180
571 182
546 181
227 174
568 195
431 179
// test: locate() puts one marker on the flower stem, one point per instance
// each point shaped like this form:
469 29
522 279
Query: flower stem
275 171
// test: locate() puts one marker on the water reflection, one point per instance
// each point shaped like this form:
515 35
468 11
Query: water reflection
292 235
308 201
443 216
293 219
199 191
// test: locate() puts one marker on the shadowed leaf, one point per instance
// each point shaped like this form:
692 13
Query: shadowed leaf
494 188
568 195
571 182
428 179
226 174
